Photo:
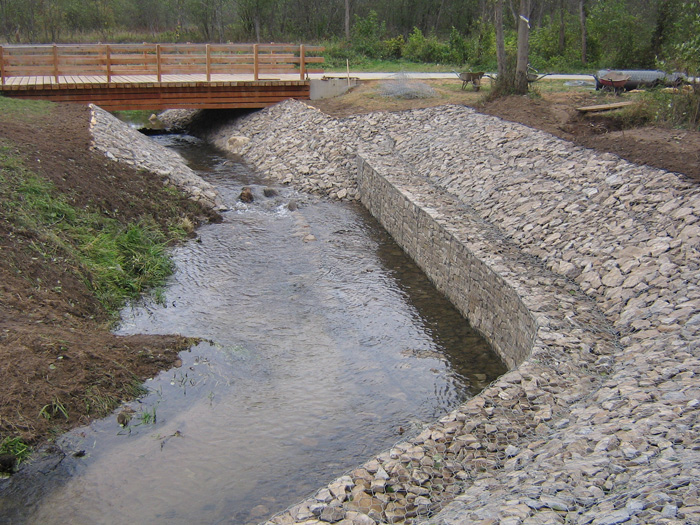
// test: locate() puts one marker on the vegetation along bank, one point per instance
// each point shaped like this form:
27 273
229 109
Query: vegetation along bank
80 234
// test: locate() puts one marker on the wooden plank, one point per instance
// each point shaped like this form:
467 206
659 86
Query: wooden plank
22 58
232 48
124 60
79 61
28 72
2 67
132 70
55 62
64 71
244 92
256 63
159 63
605 107
108 60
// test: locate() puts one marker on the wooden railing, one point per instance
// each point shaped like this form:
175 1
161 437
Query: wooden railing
111 60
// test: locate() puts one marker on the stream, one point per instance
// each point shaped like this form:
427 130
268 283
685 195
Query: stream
324 345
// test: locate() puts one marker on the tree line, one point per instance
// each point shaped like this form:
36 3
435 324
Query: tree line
562 34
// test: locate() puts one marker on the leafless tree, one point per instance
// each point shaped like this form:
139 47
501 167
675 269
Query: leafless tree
523 48
584 31
500 40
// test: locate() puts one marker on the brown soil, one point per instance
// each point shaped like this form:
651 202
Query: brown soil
56 351
552 110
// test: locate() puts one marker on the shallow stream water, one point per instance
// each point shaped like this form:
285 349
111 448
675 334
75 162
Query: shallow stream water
325 345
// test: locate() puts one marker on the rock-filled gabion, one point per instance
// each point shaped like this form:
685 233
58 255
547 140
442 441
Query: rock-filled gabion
122 143
599 424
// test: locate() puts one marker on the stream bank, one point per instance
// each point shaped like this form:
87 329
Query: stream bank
57 353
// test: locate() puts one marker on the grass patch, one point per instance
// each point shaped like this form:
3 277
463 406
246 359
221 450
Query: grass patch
99 404
660 107
123 262
118 262
24 110
548 85
676 109
15 447
148 417
54 409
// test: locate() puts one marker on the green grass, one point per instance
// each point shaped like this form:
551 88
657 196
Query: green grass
676 110
24 110
118 262
54 409
15 446
148 417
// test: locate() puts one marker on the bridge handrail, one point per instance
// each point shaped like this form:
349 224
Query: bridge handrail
110 60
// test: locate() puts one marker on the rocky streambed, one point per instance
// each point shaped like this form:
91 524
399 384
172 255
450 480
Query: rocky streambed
599 424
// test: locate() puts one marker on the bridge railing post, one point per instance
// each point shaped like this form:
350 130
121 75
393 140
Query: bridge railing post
159 68
2 66
208 48
108 59
55 62
256 63
302 62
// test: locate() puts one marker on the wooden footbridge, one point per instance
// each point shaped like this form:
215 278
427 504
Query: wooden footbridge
159 76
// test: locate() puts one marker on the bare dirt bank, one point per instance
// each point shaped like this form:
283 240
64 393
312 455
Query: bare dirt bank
59 363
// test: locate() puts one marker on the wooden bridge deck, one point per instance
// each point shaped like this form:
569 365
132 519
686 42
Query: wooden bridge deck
151 76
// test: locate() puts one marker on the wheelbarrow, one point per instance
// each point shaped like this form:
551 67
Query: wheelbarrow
613 81
533 75
470 77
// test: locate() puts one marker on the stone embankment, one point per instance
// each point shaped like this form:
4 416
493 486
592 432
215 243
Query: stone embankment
122 143
582 271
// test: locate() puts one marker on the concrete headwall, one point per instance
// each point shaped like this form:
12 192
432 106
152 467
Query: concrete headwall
330 87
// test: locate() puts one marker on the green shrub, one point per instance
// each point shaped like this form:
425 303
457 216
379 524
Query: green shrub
422 49
481 46
367 35
459 49
686 38
392 48
678 110
337 53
